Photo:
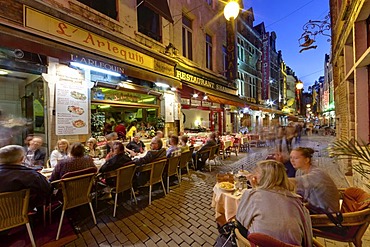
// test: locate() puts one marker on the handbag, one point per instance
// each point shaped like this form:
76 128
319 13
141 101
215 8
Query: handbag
226 237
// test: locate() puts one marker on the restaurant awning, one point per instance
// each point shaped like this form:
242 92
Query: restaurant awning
219 97
160 7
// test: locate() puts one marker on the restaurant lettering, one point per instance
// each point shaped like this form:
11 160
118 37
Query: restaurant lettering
202 82
63 30
96 63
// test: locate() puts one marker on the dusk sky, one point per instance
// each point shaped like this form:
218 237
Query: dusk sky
287 18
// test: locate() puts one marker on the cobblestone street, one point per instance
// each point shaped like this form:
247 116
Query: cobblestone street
184 217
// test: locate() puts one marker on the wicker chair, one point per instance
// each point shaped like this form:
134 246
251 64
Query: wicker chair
14 211
201 156
354 223
156 169
183 163
172 169
212 155
124 179
76 192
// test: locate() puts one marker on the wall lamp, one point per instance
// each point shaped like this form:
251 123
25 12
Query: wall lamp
231 10
195 95
205 97
162 85
85 66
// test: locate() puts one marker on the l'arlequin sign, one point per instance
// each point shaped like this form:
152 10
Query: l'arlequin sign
63 30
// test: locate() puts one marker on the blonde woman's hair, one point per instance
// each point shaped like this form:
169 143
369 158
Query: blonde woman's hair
273 175
60 142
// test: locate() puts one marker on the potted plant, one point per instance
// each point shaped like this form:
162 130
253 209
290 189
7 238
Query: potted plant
359 151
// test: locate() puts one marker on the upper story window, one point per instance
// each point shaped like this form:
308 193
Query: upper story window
187 38
106 7
148 22
209 64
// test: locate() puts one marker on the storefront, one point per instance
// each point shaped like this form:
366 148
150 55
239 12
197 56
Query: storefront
207 103
75 82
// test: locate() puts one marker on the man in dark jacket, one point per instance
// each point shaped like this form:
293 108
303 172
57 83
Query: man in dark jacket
202 158
118 160
14 176
35 154
156 152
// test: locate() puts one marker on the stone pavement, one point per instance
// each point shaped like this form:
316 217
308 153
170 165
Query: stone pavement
184 217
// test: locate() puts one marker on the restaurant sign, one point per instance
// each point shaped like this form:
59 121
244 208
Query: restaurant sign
63 30
202 82
97 63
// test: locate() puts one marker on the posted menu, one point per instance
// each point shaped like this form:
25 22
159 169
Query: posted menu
71 107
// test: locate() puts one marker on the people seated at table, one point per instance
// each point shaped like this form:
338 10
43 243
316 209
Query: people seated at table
35 153
159 134
118 159
316 187
14 176
170 133
59 153
202 158
92 149
173 150
131 130
284 158
184 143
270 208
135 146
112 137
76 161
156 152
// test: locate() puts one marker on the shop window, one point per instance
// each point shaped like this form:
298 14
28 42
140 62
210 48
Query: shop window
106 7
209 52
187 38
148 22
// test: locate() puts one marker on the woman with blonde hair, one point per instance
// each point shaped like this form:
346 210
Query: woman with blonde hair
91 148
60 152
270 208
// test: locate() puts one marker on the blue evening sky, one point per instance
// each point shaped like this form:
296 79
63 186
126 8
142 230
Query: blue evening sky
286 18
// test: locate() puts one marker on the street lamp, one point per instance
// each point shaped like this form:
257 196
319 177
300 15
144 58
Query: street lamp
299 85
231 10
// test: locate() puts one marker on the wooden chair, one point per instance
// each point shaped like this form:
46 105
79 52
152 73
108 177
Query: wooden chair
124 179
172 169
76 192
185 158
354 223
212 156
235 148
14 211
203 156
156 170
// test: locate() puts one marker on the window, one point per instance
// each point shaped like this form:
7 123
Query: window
209 52
107 7
224 59
148 22
187 38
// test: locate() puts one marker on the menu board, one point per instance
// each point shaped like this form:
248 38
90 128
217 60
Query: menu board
71 107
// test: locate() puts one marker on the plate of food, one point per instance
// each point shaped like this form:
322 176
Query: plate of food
77 95
78 123
76 110
226 186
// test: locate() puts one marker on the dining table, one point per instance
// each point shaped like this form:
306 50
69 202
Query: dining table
225 203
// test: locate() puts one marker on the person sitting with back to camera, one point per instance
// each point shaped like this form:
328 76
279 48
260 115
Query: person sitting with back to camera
173 149
316 187
202 159
135 146
284 158
75 162
184 143
257 212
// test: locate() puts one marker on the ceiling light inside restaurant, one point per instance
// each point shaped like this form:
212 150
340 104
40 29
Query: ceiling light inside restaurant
104 106
205 97
195 95
173 89
162 85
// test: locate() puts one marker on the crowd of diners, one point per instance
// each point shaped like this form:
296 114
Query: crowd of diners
285 188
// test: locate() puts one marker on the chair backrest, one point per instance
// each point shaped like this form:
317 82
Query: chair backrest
173 164
191 149
14 208
125 176
184 159
264 240
212 152
204 154
80 172
157 171
76 190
